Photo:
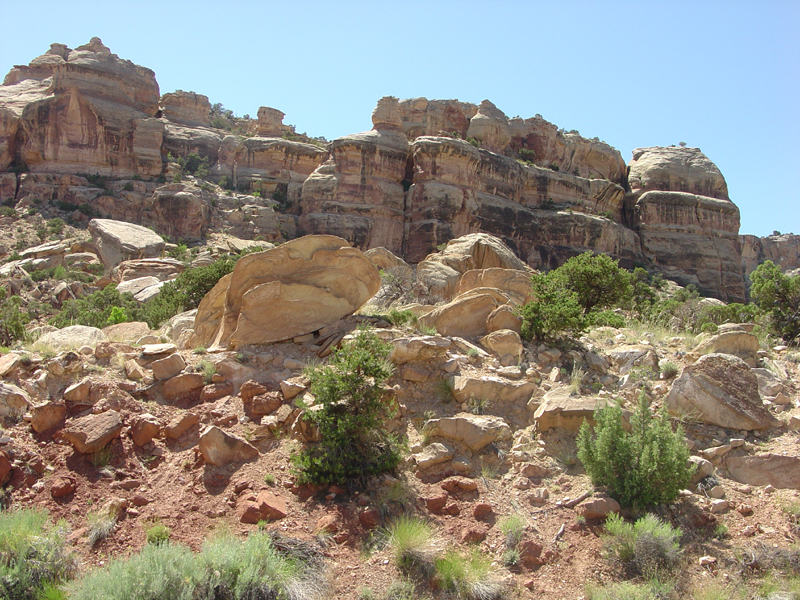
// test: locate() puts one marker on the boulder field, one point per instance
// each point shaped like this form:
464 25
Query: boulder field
427 172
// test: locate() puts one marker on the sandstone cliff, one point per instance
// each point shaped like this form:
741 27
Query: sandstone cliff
427 172
679 206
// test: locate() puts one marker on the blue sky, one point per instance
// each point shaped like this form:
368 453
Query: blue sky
723 76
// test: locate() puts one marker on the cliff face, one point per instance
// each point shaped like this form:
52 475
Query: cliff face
83 110
427 172
687 226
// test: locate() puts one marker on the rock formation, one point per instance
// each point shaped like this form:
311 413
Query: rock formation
291 290
82 110
358 191
427 172
687 225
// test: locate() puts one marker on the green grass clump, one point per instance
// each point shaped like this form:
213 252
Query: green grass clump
669 370
208 370
33 554
648 547
101 524
468 577
412 543
513 528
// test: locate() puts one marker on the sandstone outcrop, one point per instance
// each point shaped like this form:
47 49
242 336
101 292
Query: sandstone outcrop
186 108
84 110
679 206
291 290
428 172
358 192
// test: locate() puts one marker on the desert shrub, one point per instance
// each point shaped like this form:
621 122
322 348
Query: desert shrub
7 211
226 568
208 370
12 319
468 577
179 252
353 441
158 534
526 155
628 590
33 554
185 292
412 544
607 318
259 567
399 318
56 226
556 310
95 310
162 571
779 296
644 467
647 547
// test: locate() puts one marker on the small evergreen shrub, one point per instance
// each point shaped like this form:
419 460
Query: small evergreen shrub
644 467
555 312
607 318
647 547
353 441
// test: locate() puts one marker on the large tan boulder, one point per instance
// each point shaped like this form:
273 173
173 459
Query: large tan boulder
294 289
117 241
678 170
722 390
72 337
506 344
91 433
731 340
494 389
220 448
163 269
465 315
428 348
490 127
779 471
559 409
474 431
515 283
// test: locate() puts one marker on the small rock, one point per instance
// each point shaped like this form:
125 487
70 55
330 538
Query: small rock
369 518
473 534
539 496
62 486
482 510
719 506
220 448
597 508
705 561
180 425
